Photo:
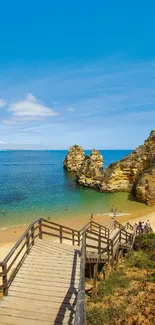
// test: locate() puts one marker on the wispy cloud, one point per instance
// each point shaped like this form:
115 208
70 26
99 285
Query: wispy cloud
2 102
28 109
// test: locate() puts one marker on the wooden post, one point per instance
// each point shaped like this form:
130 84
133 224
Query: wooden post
40 229
61 234
4 279
120 236
28 242
117 259
99 242
32 235
73 237
95 278
78 238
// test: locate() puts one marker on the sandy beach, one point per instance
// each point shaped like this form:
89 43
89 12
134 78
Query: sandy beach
9 237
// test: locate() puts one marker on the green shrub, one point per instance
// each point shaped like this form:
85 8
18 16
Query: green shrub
140 259
145 242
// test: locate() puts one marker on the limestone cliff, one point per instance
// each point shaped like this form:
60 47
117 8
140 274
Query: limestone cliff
122 175
74 158
90 173
145 185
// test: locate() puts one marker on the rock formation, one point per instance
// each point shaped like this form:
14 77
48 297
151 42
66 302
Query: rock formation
74 158
90 173
122 176
145 185
135 173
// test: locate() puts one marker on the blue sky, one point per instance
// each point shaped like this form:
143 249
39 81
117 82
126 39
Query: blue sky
76 72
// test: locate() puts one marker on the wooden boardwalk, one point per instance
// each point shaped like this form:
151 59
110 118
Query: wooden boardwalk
45 289
43 281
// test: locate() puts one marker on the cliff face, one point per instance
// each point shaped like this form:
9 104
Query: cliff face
122 176
145 185
90 173
74 158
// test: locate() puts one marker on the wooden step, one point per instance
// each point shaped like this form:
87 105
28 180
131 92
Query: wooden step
46 279
19 320
58 296
44 292
54 309
37 303
44 284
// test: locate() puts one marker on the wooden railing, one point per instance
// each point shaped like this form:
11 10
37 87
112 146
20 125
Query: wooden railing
18 254
80 316
98 243
96 239
13 261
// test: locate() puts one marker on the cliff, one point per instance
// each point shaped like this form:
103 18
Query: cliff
130 173
135 173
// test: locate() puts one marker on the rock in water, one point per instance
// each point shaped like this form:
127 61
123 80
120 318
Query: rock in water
96 158
74 158
135 173
90 173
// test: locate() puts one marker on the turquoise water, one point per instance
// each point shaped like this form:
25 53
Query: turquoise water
34 184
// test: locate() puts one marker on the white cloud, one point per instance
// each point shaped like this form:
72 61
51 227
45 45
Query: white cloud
30 107
70 109
2 142
2 102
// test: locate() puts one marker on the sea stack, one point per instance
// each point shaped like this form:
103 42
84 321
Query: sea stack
90 173
134 174
74 158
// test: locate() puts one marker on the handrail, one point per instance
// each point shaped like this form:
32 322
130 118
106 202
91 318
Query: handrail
7 258
62 232
28 238
80 316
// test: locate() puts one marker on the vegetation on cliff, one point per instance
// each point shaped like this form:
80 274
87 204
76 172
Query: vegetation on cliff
127 297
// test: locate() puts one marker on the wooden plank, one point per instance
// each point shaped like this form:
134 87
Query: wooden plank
54 309
41 303
36 296
25 318
44 287
47 283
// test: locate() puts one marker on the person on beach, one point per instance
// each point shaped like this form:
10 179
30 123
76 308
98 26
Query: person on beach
142 227
139 228
147 227
112 209
91 216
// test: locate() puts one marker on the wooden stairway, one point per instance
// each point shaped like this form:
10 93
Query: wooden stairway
45 288
43 282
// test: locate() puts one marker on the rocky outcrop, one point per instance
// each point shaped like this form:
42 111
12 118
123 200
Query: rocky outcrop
74 158
135 173
145 185
122 175
90 173
96 158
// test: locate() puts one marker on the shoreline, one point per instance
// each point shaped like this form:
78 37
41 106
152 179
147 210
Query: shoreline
10 235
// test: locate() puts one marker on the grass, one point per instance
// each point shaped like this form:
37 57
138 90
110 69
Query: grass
99 316
122 298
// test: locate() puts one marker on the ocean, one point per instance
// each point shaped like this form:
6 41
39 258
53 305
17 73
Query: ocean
34 184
